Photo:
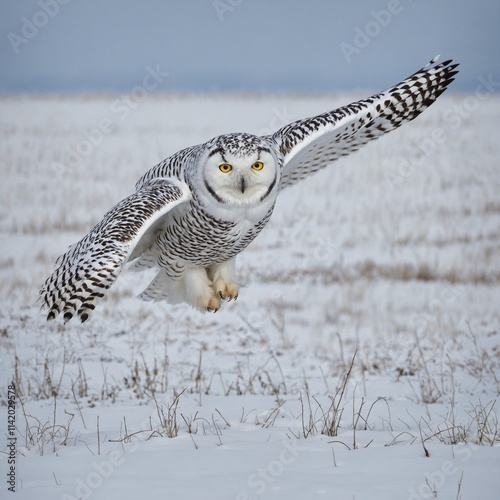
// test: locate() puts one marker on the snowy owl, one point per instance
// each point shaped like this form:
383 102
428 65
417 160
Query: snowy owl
194 212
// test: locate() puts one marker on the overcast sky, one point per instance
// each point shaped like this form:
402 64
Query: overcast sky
264 45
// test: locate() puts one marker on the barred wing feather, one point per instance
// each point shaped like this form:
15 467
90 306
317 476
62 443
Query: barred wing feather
313 143
91 266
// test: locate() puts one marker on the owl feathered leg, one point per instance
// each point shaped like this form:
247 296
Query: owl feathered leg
192 286
199 290
223 278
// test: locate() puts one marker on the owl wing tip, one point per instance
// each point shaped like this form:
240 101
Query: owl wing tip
90 267
434 60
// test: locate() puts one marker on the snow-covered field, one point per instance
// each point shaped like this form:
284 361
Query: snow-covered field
361 361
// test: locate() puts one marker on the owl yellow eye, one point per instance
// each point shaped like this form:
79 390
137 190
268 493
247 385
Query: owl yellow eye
225 167
258 165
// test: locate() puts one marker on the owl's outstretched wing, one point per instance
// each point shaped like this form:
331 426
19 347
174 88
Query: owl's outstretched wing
91 266
313 143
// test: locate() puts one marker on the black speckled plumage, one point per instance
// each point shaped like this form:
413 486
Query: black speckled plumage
169 224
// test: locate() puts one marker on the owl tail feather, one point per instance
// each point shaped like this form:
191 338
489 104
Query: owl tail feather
163 287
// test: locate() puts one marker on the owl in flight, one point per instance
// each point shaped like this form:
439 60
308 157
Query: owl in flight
194 212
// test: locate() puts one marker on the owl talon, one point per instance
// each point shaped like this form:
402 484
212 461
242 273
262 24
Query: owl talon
227 291
211 305
228 297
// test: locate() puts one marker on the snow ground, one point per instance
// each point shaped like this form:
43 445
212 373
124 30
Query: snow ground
367 334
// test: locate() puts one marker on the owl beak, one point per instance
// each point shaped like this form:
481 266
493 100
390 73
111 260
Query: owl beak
242 184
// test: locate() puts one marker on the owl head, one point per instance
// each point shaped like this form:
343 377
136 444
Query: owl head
240 169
